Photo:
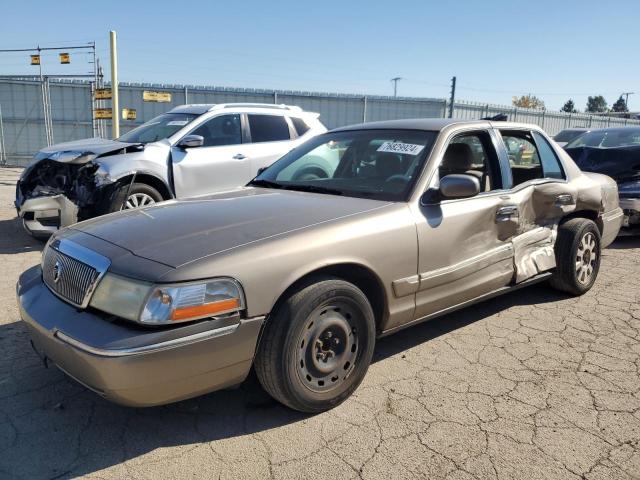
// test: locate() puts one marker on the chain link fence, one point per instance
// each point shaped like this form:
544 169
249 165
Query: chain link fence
24 127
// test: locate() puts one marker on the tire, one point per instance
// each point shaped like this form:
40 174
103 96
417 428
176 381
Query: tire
143 193
578 253
317 346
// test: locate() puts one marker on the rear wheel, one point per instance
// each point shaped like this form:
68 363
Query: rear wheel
317 346
578 254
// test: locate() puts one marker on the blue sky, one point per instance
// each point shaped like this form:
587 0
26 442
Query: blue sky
553 49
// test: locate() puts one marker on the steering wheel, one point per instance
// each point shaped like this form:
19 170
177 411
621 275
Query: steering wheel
397 182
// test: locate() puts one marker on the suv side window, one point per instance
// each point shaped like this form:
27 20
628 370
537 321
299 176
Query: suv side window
473 154
268 128
220 130
300 125
530 157
551 167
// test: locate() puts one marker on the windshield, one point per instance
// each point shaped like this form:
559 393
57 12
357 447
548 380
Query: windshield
568 135
378 164
158 128
608 138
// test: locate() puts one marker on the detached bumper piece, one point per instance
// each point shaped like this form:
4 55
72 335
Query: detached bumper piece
134 365
631 220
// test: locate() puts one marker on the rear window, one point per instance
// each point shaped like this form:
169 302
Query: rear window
268 128
300 126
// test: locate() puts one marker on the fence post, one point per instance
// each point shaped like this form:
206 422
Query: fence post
444 109
515 114
186 95
590 120
275 97
364 110
543 113
486 110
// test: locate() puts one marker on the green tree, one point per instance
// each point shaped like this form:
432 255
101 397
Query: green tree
527 101
569 107
596 104
620 105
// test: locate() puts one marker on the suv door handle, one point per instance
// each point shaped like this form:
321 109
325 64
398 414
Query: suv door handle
564 199
239 156
507 213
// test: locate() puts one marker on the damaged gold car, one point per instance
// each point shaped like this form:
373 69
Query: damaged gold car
298 276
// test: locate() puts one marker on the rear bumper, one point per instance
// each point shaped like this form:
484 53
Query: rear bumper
131 365
611 223
42 216
631 219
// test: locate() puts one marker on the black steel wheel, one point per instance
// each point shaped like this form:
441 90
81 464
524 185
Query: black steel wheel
317 346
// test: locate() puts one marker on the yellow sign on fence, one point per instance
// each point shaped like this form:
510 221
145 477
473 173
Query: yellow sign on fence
104 113
35 59
129 114
103 93
151 96
65 58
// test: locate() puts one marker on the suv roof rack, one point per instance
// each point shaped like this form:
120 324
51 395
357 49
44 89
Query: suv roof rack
281 106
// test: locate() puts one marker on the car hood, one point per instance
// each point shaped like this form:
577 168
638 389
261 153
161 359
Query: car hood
91 147
175 233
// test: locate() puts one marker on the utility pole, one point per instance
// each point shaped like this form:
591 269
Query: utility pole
453 97
115 107
395 85
626 95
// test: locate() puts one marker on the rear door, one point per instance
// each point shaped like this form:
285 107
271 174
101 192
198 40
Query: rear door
464 251
221 163
270 138
538 196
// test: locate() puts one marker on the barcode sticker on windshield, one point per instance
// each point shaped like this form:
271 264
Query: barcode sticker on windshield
399 147
177 123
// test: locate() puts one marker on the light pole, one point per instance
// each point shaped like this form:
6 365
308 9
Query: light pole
395 85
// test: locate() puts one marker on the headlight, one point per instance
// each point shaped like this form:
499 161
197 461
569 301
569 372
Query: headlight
72 156
167 304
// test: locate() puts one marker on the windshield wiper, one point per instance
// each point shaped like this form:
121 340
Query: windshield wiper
265 183
314 189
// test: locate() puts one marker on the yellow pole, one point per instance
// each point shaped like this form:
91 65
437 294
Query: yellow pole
115 107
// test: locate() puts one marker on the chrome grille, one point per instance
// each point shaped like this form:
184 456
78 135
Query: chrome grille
71 271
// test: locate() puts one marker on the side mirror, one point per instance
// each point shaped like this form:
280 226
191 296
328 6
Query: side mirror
459 186
191 141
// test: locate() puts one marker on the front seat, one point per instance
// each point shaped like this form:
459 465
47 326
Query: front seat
458 159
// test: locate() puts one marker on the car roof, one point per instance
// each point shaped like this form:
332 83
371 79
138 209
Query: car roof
431 124
200 108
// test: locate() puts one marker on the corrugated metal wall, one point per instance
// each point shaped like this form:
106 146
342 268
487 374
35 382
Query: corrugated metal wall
71 110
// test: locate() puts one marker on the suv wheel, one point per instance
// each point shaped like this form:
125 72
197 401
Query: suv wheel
139 195
578 255
317 346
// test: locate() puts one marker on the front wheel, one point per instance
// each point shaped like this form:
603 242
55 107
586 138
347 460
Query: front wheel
139 195
317 346
578 252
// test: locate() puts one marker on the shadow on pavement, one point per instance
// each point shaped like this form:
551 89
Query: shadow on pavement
625 243
50 427
15 239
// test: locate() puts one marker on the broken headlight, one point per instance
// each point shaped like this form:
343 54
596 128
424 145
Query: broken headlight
167 304
69 156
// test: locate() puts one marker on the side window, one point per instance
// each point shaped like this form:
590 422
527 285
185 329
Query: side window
531 157
220 130
268 128
473 154
551 167
300 126
523 156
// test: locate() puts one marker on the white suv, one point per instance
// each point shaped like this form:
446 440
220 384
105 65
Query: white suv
189 151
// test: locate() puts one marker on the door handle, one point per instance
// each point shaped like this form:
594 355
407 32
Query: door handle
239 156
564 199
507 213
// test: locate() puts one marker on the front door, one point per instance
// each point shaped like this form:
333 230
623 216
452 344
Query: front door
464 248
221 163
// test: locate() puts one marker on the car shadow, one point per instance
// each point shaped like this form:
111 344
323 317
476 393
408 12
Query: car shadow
626 242
51 427
15 239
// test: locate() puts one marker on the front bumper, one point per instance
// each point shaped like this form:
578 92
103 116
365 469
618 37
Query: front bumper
134 365
611 223
42 216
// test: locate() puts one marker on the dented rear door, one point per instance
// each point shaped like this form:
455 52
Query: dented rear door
532 208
